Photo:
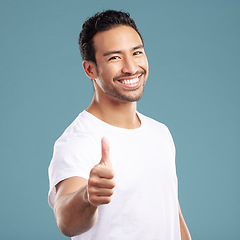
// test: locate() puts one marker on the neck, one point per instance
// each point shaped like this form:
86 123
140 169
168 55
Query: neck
115 113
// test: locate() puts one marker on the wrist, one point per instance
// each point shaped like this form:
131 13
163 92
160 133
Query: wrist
86 199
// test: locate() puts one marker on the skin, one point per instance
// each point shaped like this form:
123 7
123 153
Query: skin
120 56
119 78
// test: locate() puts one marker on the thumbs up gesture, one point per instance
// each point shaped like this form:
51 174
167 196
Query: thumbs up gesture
101 182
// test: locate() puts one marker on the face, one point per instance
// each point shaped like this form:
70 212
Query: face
122 67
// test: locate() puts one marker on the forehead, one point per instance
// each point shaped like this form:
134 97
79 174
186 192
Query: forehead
120 38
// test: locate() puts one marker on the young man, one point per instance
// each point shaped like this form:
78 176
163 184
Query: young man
113 174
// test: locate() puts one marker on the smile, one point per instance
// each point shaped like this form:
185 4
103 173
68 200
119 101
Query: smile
130 82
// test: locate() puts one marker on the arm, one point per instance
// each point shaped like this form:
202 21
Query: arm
77 199
74 213
185 234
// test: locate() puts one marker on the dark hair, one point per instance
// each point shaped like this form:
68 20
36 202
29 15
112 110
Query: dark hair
100 22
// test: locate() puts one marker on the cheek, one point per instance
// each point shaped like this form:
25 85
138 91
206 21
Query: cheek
145 62
112 70
142 62
106 76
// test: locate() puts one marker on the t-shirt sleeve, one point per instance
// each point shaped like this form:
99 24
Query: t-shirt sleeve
171 142
173 150
74 156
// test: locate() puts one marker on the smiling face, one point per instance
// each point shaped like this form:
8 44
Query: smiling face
122 67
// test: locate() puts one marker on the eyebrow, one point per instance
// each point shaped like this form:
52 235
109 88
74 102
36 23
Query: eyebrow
118 51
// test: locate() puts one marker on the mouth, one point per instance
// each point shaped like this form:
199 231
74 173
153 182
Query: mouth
130 82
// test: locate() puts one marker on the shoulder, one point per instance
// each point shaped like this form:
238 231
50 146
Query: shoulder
78 140
80 129
157 130
153 124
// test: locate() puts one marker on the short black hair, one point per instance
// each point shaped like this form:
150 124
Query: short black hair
100 22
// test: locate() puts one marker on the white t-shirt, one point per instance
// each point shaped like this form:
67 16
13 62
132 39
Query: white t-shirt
145 200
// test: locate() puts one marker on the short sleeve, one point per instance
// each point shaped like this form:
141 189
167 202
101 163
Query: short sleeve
171 142
73 156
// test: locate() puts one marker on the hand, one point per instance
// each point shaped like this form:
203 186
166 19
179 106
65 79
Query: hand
101 182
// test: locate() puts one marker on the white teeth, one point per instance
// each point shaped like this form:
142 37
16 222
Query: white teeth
131 81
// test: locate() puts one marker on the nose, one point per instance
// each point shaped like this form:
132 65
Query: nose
129 66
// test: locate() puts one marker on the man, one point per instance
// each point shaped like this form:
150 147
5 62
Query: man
113 175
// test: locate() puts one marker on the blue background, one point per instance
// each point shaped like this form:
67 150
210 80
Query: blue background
193 87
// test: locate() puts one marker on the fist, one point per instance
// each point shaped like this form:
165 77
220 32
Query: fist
101 182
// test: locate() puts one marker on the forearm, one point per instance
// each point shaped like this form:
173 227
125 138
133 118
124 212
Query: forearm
185 234
74 214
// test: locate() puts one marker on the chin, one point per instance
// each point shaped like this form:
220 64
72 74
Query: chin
130 98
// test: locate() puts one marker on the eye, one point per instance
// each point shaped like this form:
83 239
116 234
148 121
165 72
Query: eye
137 53
113 58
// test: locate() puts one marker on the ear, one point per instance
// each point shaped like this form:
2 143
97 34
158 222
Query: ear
90 69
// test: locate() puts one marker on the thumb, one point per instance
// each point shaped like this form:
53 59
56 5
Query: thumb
105 160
